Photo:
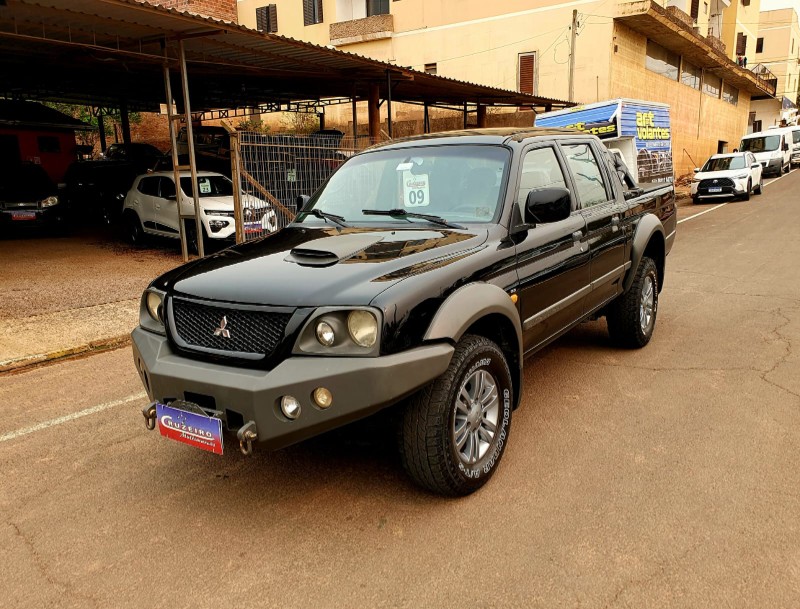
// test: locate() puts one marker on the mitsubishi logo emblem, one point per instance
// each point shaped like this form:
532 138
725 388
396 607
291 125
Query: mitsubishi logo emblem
222 331
715 181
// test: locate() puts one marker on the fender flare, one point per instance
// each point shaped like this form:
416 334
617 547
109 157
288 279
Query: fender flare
648 226
469 304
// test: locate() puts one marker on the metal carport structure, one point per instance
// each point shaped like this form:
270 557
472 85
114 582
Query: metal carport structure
116 53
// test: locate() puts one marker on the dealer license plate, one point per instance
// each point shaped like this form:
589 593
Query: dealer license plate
191 428
23 215
714 190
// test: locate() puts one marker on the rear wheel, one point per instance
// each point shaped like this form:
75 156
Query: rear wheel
631 318
134 232
454 431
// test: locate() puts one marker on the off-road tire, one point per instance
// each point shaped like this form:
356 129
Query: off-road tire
624 313
132 226
427 436
695 199
759 187
191 237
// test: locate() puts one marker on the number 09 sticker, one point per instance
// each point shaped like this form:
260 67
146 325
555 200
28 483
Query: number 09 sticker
415 190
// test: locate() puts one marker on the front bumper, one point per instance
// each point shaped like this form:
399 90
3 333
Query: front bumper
360 386
23 218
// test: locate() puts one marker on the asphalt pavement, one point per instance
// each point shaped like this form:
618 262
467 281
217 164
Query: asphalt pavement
666 477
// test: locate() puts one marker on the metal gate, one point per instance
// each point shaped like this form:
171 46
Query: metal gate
274 170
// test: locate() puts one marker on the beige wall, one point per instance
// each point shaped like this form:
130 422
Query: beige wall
781 34
739 18
698 121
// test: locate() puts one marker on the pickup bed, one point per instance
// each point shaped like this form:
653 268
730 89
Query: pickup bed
421 274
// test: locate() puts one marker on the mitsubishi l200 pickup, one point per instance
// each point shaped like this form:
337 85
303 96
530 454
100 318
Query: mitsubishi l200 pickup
420 275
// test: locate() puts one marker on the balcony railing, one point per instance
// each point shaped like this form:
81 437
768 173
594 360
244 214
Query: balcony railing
768 80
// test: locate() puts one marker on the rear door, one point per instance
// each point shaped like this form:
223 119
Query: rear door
552 258
602 213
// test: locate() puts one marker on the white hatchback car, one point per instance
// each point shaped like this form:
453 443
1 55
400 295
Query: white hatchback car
151 207
728 175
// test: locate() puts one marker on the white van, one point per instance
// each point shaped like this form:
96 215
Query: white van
771 148
794 144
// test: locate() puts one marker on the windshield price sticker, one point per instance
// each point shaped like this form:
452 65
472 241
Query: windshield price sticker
415 190
205 187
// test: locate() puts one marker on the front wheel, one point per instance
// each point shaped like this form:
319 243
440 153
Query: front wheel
454 431
631 318
760 186
746 195
133 229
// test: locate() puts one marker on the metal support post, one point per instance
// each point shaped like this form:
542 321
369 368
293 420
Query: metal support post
426 119
192 161
389 102
374 112
482 116
125 121
101 129
355 118
465 115
176 174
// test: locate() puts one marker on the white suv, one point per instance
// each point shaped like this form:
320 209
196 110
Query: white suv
151 207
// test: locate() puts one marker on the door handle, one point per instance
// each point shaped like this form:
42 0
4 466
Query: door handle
614 224
577 235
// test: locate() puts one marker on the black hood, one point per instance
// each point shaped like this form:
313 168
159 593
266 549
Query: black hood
302 266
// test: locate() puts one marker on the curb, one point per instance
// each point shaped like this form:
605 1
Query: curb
31 361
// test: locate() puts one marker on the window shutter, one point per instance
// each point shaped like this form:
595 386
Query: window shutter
273 18
526 73
308 12
741 43
695 9
759 45
262 19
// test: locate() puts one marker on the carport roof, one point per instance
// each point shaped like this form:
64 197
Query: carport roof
100 52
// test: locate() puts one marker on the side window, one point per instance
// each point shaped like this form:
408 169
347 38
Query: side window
796 136
540 169
167 188
148 186
586 173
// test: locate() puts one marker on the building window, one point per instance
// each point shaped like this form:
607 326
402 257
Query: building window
377 7
267 18
312 12
690 75
756 126
695 9
430 68
759 45
49 143
745 2
741 43
730 94
751 118
527 73
661 61
712 85
705 8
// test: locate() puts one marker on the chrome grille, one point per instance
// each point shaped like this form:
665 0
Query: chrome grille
201 326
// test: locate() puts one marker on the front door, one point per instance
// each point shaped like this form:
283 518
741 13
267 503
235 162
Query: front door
552 258
602 212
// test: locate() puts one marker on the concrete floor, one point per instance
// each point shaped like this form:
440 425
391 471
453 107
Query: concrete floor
666 477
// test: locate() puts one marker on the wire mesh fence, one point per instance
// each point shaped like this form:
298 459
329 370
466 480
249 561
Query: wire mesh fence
274 170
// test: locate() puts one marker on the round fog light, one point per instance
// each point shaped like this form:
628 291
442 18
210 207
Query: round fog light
325 334
290 407
322 397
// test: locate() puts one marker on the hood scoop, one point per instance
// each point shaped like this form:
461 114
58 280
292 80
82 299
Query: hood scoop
327 251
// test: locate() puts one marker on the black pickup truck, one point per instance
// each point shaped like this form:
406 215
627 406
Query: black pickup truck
421 274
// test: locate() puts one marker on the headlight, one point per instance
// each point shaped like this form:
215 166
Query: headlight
343 332
325 334
741 176
50 201
155 302
363 328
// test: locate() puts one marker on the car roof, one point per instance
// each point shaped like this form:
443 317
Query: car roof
495 135
726 155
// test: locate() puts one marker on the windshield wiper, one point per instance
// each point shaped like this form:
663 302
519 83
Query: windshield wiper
326 216
402 213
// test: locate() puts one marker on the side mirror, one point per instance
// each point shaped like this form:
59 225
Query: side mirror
755 165
785 147
171 197
301 201
697 170
547 205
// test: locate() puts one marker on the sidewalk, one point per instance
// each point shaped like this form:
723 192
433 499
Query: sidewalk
61 297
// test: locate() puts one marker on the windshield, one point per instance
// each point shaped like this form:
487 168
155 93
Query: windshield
208 186
764 143
457 183
724 163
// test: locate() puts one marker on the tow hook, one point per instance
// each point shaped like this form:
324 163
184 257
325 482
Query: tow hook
246 434
149 413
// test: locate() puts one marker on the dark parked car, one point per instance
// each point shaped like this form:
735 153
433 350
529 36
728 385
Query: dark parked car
95 190
29 199
143 156
420 275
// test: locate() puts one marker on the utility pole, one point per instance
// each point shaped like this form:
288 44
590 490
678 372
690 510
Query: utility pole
572 55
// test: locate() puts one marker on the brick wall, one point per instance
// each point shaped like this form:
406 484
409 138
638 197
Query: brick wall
219 9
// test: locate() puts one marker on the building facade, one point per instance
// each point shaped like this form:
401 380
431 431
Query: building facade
639 50
778 49
218 9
